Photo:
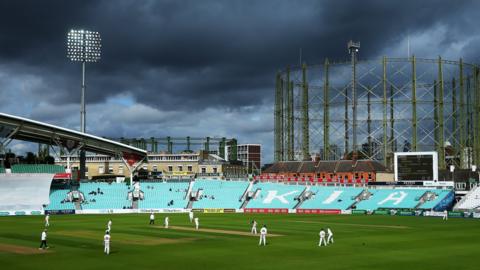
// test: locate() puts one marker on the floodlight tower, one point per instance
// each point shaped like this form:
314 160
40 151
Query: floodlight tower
83 46
353 48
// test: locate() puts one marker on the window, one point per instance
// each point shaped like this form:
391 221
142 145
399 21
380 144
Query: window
110 169
180 168
204 170
189 168
214 169
101 169
170 168
155 168
120 169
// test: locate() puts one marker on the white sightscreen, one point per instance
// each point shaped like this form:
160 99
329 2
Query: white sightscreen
24 191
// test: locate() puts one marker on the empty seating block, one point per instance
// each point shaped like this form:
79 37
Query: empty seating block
392 198
471 201
273 195
161 195
37 168
331 198
115 196
220 194
56 198
441 194
2 169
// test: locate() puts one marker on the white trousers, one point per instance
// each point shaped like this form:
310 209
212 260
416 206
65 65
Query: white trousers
445 217
109 228
254 230
107 248
330 239
263 238
322 240
47 223
166 225
196 226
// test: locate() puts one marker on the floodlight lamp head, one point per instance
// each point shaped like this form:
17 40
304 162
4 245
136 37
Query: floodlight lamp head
84 46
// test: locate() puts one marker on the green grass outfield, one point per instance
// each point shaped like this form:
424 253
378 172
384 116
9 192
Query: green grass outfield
361 242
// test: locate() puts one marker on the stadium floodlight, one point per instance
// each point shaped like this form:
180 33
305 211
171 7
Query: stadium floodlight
83 46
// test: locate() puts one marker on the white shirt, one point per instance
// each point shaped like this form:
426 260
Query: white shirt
190 214
196 220
47 218
263 231
329 232
152 217
44 236
322 233
254 224
109 224
106 238
166 220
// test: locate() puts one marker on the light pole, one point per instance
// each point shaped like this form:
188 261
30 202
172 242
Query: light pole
452 170
83 46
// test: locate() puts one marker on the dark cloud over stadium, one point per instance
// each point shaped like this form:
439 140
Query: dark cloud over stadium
202 68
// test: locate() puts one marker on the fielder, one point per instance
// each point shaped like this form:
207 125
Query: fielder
44 245
152 219
106 240
445 215
322 238
166 223
263 235
329 236
190 215
254 227
47 218
196 223
109 225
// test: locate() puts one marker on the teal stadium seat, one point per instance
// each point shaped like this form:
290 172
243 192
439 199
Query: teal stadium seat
37 168
441 194
56 198
159 195
115 196
220 194
273 195
392 198
331 198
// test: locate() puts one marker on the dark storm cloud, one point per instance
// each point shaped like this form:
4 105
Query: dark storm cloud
186 57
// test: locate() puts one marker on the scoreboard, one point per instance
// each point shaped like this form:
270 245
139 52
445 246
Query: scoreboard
416 166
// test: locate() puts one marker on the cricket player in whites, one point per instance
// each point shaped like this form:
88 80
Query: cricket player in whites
329 236
152 219
254 227
106 240
322 238
47 218
196 223
109 225
190 215
263 235
43 244
166 222
445 215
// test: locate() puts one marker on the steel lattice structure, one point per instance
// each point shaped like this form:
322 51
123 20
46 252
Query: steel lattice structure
403 104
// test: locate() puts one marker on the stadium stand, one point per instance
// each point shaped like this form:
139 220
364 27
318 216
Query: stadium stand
2 169
164 195
57 200
470 201
437 200
273 195
105 196
331 198
219 194
37 168
392 198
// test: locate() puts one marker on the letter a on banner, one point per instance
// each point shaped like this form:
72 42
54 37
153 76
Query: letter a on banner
393 197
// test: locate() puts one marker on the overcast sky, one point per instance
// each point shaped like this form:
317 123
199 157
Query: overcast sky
202 68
